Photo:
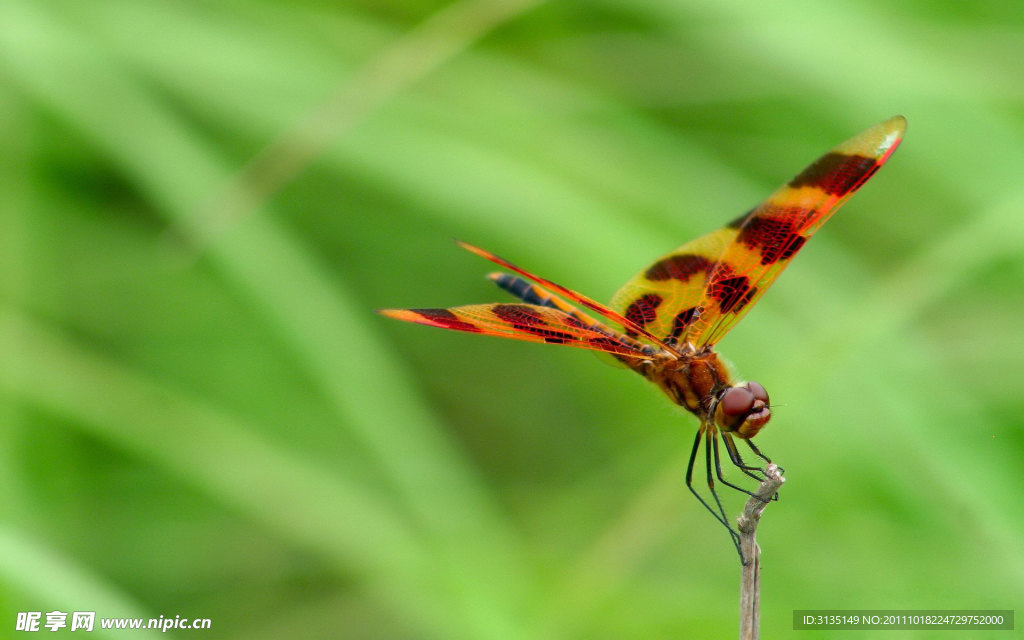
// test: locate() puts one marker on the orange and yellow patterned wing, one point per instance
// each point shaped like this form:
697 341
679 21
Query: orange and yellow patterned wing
529 322
632 329
700 291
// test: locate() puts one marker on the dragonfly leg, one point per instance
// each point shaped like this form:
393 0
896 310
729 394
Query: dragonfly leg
718 465
758 453
719 514
734 455
761 455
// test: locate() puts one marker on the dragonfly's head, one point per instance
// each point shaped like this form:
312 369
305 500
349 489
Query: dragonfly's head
742 409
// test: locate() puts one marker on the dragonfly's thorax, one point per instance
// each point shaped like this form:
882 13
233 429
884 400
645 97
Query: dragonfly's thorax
692 380
701 382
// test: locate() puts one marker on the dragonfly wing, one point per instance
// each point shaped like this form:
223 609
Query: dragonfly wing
664 298
701 290
547 286
769 236
529 322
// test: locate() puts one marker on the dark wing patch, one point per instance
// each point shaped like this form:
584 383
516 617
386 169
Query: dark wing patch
837 173
776 237
644 309
680 266
768 237
528 322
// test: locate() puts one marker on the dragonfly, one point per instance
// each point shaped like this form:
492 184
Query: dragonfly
665 322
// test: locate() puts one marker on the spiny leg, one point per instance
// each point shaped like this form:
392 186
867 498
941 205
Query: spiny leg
718 464
689 485
689 478
758 453
708 440
734 455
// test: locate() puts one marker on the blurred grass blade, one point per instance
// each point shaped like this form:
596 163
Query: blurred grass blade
352 368
56 583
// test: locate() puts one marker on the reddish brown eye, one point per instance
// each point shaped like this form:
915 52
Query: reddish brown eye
737 401
758 391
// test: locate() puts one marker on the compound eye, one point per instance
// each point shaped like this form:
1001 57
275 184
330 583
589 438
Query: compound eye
737 401
758 391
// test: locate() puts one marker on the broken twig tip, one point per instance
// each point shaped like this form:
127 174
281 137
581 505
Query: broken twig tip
750 577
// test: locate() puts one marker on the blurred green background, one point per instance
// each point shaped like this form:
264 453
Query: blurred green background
202 203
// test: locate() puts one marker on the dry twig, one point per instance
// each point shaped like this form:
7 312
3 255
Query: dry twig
750 581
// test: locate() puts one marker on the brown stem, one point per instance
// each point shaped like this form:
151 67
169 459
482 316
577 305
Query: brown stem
750 580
